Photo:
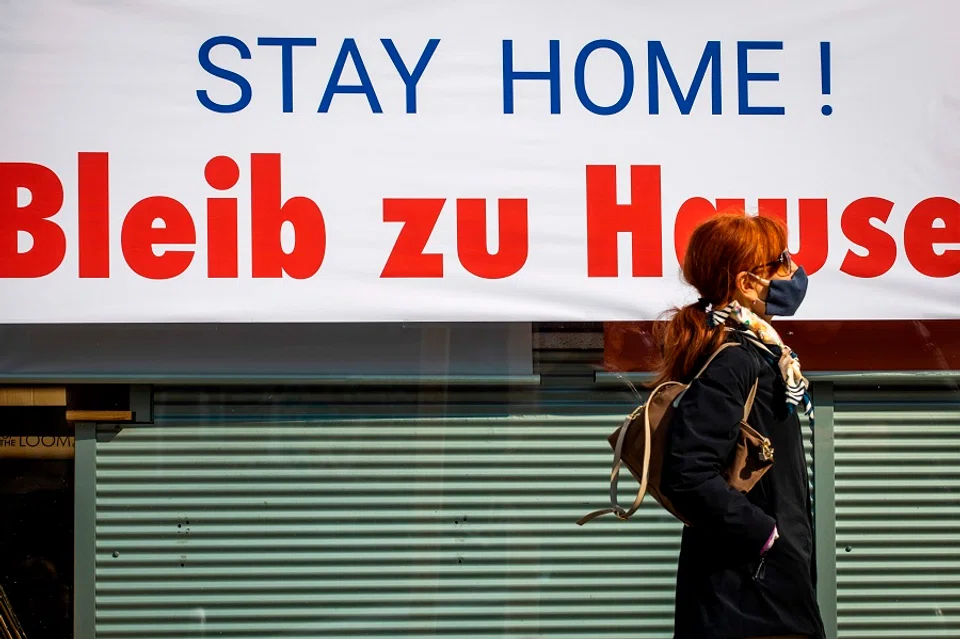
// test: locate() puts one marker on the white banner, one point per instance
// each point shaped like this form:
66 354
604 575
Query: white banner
187 161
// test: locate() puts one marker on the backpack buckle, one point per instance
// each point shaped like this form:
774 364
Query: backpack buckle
766 451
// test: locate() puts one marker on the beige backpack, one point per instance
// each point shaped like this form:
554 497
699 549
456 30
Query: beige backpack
641 441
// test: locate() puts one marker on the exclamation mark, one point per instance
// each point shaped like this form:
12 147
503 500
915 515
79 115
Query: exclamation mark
825 75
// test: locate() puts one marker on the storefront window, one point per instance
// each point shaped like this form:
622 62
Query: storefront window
441 504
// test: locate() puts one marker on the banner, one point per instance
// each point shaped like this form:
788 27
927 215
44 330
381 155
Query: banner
282 161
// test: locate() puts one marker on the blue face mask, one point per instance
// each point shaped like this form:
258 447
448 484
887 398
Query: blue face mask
785 296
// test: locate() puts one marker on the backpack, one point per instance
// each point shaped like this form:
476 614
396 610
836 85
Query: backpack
641 443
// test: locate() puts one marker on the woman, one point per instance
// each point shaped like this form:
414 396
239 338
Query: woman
747 562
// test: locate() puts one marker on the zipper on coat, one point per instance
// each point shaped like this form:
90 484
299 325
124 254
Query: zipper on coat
761 571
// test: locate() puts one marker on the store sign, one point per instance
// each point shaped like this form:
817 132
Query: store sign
36 446
378 161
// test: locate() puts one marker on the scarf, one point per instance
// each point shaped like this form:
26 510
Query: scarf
760 333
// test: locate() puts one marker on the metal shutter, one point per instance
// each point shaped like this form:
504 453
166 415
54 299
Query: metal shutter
898 500
255 514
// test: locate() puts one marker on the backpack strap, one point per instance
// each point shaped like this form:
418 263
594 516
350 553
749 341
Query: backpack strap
751 397
748 406
709 361
616 508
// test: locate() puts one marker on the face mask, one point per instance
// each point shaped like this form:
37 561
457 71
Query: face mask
785 296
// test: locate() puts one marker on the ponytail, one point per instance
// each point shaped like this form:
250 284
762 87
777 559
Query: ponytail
684 337
720 247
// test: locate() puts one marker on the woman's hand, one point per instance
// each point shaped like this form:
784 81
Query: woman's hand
774 536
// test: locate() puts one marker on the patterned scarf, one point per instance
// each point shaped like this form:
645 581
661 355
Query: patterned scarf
760 333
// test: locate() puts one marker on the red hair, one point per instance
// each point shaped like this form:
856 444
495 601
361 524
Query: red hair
720 248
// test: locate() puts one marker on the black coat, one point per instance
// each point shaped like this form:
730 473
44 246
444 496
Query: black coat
723 591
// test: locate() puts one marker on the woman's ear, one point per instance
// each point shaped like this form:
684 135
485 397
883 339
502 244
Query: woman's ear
747 286
751 292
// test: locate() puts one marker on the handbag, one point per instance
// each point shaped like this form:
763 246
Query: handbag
640 443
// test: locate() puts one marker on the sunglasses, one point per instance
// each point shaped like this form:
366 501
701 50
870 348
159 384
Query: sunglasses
784 261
